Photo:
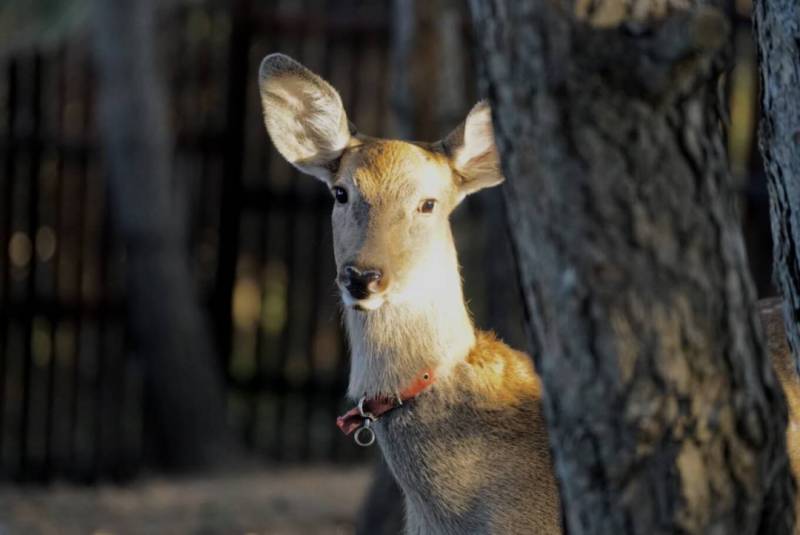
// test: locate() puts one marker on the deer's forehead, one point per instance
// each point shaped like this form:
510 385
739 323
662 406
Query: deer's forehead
394 169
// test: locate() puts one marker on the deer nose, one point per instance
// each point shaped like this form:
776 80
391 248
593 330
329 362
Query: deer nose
362 282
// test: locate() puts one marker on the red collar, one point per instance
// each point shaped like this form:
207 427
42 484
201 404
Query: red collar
369 410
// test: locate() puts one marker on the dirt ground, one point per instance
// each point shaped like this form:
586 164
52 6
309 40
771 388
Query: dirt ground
298 501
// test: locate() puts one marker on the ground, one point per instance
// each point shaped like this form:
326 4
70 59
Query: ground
298 501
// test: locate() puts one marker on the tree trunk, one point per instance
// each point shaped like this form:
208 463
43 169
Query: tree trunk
777 28
664 415
167 328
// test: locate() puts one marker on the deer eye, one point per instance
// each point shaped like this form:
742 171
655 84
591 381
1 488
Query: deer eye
340 194
427 206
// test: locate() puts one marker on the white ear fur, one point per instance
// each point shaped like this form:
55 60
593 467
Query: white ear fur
473 154
303 114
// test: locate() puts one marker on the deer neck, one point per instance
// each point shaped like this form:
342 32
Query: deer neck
390 346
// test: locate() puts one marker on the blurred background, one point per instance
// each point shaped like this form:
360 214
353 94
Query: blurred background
77 422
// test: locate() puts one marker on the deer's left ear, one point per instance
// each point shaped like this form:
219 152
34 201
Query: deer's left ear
304 116
473 153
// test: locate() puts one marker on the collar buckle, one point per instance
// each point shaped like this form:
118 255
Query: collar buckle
365 414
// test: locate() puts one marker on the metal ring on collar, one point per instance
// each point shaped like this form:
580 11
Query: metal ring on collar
367 440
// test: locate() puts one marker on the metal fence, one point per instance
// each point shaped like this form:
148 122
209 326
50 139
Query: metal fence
70 399
258 236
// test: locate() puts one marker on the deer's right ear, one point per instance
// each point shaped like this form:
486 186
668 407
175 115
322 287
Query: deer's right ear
473 153
304 116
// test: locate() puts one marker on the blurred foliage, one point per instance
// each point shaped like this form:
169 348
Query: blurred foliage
39 22
28 23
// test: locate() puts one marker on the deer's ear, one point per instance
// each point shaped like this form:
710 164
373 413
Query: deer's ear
304 116
472 151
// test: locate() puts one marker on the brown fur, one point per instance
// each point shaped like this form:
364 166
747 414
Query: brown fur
500 375
784 365
379 167
455 449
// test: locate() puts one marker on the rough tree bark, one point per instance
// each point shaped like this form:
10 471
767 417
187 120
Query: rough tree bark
664 415
166 324
777 29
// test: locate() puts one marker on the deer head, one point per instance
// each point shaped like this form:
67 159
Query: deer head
397 269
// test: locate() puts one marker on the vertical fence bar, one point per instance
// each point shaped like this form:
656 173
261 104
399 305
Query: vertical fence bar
30 290
9 167
285 341
231 196
102 401
83 178
255 401
56 320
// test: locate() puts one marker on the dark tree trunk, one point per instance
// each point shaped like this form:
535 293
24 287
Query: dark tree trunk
664 415
167 328
777 28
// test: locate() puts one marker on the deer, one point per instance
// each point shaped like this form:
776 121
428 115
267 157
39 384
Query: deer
453 408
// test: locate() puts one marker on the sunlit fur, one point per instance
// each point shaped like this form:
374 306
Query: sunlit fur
420 320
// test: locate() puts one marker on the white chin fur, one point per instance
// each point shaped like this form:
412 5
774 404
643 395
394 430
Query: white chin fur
373 302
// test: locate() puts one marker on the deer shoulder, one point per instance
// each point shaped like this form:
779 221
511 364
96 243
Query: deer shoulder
782 360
